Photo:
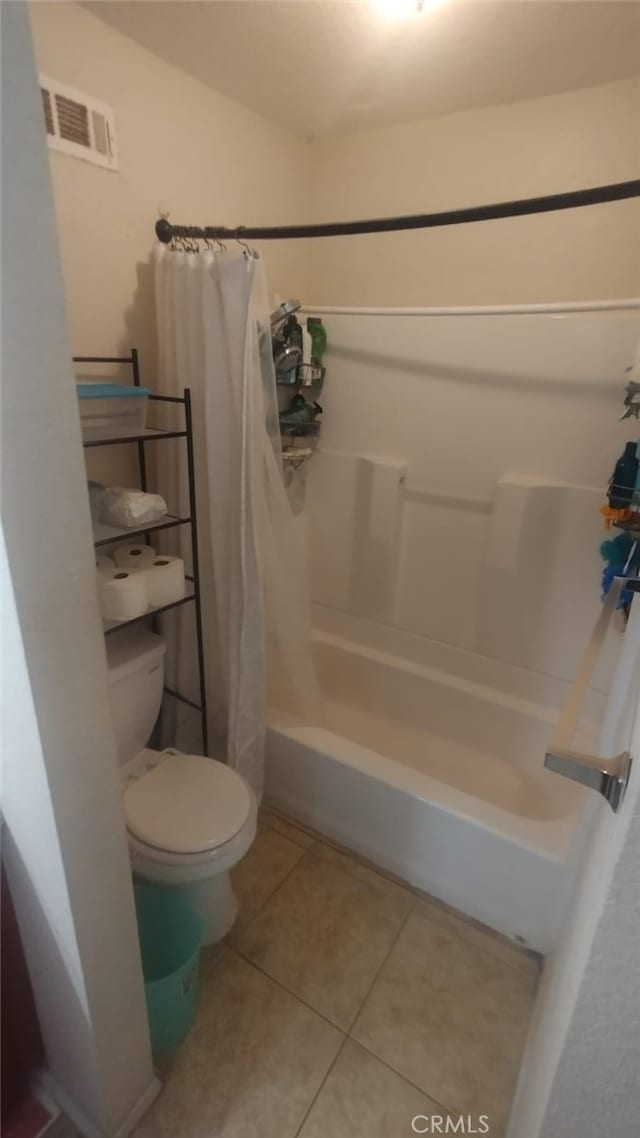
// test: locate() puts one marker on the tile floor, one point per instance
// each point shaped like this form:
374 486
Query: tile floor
342 1005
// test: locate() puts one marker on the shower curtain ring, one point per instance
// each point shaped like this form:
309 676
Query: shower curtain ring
248 252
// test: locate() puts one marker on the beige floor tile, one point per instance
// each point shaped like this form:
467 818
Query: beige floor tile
209 958
362 872
482 937
250 1067
364 1099
450 1017
437 911
285 827
324 935
258 875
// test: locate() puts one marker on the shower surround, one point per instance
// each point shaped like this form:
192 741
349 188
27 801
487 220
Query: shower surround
454 531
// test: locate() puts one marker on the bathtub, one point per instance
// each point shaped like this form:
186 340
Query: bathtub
437 778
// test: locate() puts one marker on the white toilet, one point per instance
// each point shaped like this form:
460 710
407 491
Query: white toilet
189 818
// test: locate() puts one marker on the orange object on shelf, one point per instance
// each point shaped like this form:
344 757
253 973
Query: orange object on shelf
610 515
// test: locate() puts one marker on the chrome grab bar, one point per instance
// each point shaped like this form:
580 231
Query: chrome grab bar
609 777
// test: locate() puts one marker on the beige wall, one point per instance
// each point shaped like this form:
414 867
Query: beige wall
181 147
204 157
546 145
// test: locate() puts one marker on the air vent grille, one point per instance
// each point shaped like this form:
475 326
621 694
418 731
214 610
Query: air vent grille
73 121
101 138
78 125
48 111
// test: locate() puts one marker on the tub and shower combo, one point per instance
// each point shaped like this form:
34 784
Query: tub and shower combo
452 606
436 777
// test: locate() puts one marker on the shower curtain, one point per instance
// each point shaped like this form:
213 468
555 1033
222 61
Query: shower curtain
214 337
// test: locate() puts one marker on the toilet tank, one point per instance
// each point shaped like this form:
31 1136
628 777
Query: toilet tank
135 658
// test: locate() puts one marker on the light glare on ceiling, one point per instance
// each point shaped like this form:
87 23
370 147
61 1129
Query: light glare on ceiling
393 11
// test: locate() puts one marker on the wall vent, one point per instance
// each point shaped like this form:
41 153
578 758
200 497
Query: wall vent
78 125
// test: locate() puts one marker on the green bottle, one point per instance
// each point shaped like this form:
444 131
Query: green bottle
318 334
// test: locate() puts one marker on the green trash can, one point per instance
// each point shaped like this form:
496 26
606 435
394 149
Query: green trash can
170 938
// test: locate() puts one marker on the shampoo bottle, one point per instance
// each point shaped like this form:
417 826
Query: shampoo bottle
318 334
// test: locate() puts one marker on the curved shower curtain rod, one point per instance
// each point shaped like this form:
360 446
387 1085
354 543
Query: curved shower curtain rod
166 232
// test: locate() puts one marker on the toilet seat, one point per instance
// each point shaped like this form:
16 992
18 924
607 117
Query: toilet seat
164 865
187 809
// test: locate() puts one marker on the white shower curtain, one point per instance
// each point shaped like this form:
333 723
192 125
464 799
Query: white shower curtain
214 337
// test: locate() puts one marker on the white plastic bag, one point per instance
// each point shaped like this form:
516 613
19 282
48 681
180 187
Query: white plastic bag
131 508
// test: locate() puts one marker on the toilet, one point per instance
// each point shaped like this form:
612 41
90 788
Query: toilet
189 819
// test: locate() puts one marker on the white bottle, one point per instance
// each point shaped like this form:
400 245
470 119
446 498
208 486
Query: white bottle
307 345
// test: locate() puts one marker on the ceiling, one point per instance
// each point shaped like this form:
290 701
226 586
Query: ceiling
323 66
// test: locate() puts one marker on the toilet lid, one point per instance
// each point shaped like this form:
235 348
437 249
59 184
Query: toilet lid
187 804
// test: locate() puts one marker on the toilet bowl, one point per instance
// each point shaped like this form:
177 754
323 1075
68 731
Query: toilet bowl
189 818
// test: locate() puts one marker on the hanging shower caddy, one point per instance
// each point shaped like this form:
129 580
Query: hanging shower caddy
299 422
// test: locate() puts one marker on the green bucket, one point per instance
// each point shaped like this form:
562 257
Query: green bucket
170 939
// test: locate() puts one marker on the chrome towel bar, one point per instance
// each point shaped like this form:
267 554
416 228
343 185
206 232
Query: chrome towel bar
609 777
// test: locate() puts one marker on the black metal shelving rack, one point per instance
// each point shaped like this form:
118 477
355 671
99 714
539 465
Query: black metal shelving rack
106 535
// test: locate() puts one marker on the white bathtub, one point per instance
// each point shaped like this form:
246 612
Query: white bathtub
437 778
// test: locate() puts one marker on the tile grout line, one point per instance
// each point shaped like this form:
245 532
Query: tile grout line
234 947
380 967
384 1062
358 859
309 852
321 1087
401 1075
351 1039
338 869
271 895
358 1043
418 894
415 897
346 1036
294 996
411 1083
321 839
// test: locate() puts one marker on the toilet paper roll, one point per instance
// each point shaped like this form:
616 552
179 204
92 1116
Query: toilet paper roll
134 556
105 566
123 595
165 580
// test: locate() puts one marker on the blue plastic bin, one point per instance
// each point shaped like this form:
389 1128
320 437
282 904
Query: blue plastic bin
109 410
170 938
